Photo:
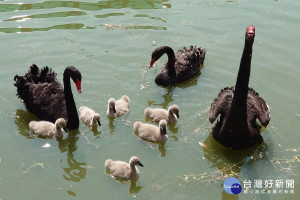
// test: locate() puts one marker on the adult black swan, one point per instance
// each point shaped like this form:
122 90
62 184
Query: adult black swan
240 106
180 66
44 96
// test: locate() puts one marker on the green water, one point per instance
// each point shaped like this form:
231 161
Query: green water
111 42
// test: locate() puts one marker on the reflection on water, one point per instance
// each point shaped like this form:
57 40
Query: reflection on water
168 98
229 161
96 132
22 119
226 196
75 171
73 26
47 15
111 126
109 4
84 7
133 189
160 146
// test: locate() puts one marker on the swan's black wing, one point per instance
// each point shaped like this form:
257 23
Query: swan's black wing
259 107
42 93
256 106
47 101
221 104
188 62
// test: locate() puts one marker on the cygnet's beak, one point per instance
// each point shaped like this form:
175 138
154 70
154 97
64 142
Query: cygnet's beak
177 115
140 164
114 109
99 123
65 129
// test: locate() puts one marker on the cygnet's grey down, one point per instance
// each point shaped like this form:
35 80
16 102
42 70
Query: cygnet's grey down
119 107
89 116
48 129
122 170
150 132
157 114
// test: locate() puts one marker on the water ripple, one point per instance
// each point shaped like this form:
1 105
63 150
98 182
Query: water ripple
109 4
72 26
14 16
47 15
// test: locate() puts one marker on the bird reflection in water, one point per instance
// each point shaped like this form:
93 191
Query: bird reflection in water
75 171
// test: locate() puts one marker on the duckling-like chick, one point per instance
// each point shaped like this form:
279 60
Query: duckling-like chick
89 116
157 114
119 107
48 129
150 132
122 170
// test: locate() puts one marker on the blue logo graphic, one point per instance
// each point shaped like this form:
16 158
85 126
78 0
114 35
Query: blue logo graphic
232 186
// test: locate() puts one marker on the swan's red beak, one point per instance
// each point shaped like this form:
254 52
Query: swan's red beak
152 62
78 86
251 30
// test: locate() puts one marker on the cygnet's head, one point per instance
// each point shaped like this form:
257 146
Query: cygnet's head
163 126
112 104
97 118
135 161
61 123
126 98
175 110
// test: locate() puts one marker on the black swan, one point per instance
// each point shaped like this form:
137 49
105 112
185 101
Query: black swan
181 66
240 106
44 96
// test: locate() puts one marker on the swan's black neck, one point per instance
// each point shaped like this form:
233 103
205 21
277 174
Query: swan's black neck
171 61
73 121
238 110
170 65
242 82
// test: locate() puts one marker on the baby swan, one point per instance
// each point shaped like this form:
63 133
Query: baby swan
88 116
48 129
157 114
150 132
122 170
119 107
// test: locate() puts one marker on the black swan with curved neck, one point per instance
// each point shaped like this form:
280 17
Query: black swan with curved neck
44 96
180 66
240 106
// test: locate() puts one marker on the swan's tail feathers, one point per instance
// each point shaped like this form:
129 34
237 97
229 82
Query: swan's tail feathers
200 54
47 75
33 70
33 76
22 86
195 54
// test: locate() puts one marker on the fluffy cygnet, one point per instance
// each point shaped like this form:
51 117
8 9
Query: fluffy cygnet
119 107
88 116
48 129
122 170
150 132
157 114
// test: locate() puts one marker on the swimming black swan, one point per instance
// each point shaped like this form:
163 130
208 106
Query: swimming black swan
180 66
240 106
46 97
